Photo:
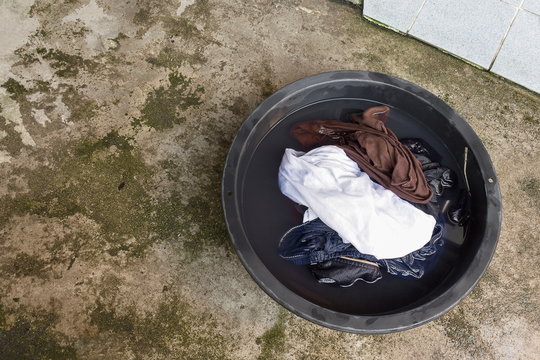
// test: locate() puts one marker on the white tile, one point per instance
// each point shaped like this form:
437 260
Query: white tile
398 14
513 2
532 5
519 58
470 29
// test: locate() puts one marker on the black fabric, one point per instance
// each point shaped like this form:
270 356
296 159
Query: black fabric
460 212
415 146
437 176
344 272
440 178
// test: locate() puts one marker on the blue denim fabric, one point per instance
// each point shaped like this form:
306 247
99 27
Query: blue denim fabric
345 272
415 263
314 242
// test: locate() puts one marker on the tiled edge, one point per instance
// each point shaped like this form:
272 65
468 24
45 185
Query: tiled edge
417 15
470 29
377 22
532 6
516 11
475 65
516 61
512 2
401 17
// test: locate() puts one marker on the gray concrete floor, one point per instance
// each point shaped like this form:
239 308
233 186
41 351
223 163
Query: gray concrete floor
115 121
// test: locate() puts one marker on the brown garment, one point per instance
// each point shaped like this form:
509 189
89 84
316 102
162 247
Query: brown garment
375 149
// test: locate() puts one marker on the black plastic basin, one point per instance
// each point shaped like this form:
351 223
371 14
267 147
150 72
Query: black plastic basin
257 214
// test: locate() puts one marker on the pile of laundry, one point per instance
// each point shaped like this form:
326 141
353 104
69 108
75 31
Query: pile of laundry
372 202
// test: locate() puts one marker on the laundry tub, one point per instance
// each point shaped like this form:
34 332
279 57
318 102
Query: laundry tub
257 214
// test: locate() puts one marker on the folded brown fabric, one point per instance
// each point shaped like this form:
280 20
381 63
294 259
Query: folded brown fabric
375 149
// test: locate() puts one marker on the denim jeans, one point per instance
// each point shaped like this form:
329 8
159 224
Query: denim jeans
416 263
345 271
313 242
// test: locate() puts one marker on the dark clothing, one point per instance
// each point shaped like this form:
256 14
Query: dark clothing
437 176
416 263
460 212
440 178
314 242
375 149
346 271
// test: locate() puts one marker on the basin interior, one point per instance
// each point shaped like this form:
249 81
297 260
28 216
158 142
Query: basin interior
266 214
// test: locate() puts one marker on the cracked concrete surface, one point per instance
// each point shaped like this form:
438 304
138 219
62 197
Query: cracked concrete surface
115 121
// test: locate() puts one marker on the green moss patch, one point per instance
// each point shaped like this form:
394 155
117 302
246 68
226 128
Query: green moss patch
14 88
106 180
66 65
197 217
11 142
273 340
81 108
88 148
164 105
533 120
173 330
462 332
181 27
172 59
86 182
266 85
199 222
263 78
31 336
25 265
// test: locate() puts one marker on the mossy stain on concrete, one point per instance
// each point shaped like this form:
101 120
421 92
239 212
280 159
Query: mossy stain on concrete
86 182
199 222
265 82
11 139
164 105
80 106
14 88
172 59
167 331
106 180
30 335
66 65
122 143
533 120
273 340
197 218
25 265
239 106
181 27
459 329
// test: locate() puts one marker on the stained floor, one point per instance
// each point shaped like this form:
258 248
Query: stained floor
115 122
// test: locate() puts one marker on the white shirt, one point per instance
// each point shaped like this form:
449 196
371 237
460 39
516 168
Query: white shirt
374 219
